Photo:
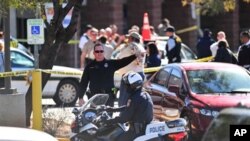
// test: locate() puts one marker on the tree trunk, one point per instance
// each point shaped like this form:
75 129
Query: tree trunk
55 37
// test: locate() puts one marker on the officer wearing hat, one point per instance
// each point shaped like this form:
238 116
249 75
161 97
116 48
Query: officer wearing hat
134 47
173 46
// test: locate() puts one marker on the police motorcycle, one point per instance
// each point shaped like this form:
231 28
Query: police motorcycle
85 127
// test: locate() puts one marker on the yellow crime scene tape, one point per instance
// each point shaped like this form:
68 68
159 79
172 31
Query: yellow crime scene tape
15 43
61 72
206 59
154 69
28 72
15 73
195 27
18 73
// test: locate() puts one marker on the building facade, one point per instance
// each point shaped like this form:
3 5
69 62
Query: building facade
125 13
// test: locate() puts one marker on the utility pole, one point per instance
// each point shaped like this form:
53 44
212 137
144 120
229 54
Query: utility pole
7 89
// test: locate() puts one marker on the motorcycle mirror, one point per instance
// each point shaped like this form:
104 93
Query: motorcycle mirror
75 111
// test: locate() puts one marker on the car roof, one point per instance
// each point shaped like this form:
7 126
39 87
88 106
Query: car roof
21 51
203 65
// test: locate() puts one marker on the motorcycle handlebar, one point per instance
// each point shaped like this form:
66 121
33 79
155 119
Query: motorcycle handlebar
110 109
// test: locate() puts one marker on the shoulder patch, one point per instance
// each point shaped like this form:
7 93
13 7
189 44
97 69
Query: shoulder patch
178 39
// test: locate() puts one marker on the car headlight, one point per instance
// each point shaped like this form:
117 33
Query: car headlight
215 113
207 112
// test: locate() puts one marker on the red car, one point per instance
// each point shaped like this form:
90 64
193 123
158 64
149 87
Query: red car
199 90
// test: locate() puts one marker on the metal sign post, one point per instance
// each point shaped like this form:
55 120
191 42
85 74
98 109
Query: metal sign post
35 30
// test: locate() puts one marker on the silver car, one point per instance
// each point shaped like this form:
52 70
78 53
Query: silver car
187 55
62 88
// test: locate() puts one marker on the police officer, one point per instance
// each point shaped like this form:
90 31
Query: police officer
99 75
244 50
173 46
138 111
134 47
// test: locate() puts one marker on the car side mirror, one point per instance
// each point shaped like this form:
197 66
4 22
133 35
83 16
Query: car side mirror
175 89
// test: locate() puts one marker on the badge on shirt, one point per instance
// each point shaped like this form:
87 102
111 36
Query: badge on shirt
106 65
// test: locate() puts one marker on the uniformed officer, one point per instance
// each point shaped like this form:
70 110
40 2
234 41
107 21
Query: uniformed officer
244 50
134 47
99 75
173 46
138 111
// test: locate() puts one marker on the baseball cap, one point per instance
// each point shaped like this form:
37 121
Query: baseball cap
170 29
135 35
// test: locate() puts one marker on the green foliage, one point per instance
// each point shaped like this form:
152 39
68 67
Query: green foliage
19 4
213 7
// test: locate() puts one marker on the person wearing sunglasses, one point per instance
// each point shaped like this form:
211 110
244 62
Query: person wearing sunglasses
98 75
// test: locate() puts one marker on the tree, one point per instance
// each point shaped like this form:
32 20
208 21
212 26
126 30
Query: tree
213 7
55 34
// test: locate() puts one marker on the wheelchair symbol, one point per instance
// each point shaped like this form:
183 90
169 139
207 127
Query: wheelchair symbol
35 30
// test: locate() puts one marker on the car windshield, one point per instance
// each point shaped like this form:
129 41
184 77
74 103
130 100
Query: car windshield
219 81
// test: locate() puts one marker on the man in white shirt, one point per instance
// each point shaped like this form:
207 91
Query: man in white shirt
85 37
87 50
214 47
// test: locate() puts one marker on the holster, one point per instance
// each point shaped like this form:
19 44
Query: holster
139 128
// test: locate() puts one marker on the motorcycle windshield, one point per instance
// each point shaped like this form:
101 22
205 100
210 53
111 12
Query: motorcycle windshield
96 100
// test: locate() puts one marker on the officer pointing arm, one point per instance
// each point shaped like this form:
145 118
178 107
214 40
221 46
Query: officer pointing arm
99 75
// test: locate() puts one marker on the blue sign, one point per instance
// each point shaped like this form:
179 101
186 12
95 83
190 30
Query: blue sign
35 30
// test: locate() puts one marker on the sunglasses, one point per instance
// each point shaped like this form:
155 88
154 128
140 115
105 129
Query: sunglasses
98 51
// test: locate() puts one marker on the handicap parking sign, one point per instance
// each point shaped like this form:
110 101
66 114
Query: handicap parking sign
35 30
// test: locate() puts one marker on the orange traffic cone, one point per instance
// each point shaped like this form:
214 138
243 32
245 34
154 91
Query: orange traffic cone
146 33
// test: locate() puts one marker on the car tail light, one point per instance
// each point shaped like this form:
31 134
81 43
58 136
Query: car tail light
181 136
